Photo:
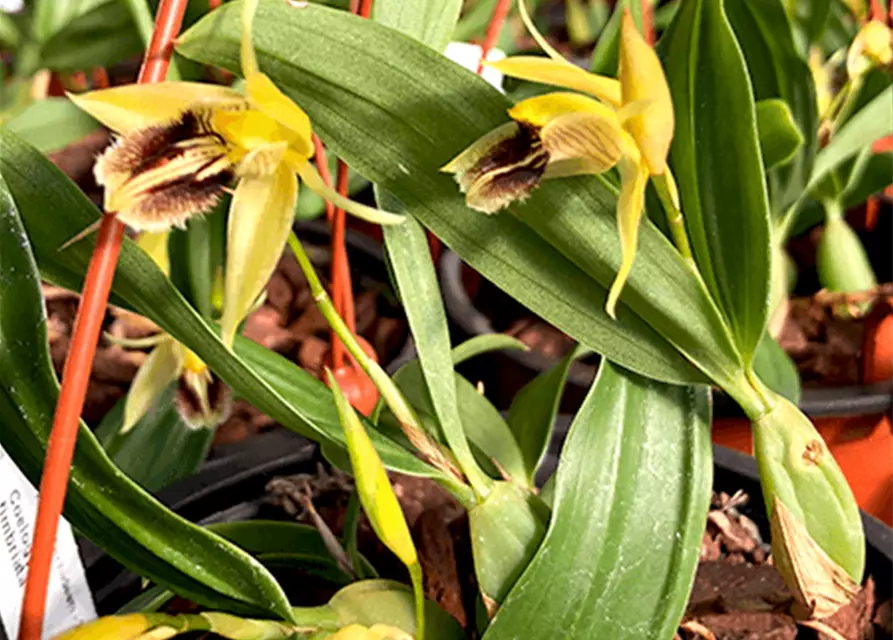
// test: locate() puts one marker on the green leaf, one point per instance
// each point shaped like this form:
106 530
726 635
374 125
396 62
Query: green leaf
276 386
485 343
873 122
397 124
506 530
779 136
533 412
478 419
635 552
875 176
776 369
160 449
431 22
51 124
716 159
778 70
387 602
102 502
9 31
417 285
93 34
192 262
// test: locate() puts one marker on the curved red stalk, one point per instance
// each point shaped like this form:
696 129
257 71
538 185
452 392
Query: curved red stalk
494 28
78 364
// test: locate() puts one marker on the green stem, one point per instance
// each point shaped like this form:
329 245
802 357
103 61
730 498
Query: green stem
851 94
145 24
669 198
398 405
418 590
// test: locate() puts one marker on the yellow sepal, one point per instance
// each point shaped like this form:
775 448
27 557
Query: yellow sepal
161 367
155 244
560 74
260 218
318 186
633 180
110 628
642 80
136 106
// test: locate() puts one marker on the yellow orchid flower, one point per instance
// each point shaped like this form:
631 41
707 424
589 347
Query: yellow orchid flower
202 400
625 123
872 47
180 144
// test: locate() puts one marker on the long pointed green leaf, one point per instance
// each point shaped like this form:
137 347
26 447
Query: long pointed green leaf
716 158
637 463
419 291
103 503
429 21
398 123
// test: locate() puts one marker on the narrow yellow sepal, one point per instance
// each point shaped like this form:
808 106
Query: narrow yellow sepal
317 185
642 80
136 106
540 110
560 74
155 244
260 218
633 180
161 367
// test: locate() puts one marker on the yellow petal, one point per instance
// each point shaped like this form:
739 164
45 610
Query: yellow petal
136 106
260 218
161 368
155 244
373 487
642 79
585 135
633 180
560 74
266 96
540 110
316 184
871 47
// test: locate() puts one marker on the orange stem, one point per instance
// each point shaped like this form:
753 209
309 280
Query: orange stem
100 78
79 362
647 22
494 28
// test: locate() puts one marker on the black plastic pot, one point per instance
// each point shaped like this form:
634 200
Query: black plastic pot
503 373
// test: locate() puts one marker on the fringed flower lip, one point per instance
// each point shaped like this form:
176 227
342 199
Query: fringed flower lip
626 123
181 144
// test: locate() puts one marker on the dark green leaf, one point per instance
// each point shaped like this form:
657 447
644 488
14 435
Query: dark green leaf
779 136
533 412
51 124
431 22
160 449
778 70
102 503
716 159
398 123
637 467
777 370
191 260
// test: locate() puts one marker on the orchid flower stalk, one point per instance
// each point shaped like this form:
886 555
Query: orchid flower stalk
625 123
179 146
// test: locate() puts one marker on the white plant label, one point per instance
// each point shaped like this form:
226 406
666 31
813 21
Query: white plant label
469 56
69 602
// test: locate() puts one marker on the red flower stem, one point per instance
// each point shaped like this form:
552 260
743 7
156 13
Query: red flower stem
494 28
100 78
78 364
